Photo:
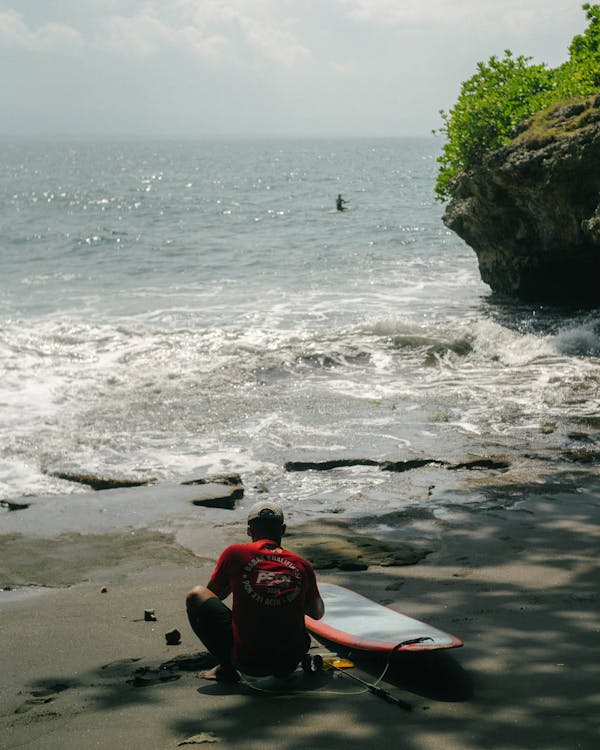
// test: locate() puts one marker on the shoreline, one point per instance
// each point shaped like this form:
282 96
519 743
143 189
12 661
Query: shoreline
518 585
58 540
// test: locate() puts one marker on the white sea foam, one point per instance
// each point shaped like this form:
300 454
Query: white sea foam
579 341
497 343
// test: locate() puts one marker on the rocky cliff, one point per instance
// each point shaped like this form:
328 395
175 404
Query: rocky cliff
531 211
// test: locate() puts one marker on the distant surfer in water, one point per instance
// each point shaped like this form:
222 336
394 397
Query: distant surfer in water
339 204
264 632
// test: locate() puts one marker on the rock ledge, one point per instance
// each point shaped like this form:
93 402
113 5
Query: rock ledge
531 211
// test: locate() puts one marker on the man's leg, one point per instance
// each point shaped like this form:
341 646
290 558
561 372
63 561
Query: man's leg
210 620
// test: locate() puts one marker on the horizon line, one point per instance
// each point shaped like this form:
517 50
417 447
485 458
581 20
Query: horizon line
204 136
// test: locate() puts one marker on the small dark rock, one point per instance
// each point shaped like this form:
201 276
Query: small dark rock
227 502
173 637
224 496
229 479
13 506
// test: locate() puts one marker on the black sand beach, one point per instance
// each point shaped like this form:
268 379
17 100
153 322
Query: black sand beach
81 667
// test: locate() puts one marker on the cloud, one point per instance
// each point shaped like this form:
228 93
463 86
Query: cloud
141 34
510 14
51 37
263 25
275 41
243 30
146 34
208 28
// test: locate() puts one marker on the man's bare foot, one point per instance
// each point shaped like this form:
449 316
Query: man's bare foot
208 674
220 674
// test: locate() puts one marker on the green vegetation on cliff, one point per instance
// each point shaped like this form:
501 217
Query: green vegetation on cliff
505 92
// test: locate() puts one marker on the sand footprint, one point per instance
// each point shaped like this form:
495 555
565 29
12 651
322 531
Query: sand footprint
146 676
43 693
119 668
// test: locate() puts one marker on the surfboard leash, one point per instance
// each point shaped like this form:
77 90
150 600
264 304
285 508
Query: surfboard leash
371 687
397 647
319 661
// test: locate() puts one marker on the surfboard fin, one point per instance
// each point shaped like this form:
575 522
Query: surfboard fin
338 663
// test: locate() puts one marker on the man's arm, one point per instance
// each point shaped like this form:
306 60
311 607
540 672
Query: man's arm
221 592
315 608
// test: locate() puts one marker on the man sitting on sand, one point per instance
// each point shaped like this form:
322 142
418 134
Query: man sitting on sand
272 589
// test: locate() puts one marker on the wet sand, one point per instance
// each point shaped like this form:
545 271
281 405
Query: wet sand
80 667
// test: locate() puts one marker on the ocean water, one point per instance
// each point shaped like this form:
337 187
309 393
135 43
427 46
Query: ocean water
178 308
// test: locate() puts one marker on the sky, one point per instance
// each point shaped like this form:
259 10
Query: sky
257 68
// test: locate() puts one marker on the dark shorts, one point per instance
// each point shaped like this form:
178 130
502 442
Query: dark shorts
216 632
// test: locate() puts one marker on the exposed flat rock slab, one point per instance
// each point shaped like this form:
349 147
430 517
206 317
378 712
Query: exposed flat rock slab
470 463
113 510
69 558
211 498
97 482
337 545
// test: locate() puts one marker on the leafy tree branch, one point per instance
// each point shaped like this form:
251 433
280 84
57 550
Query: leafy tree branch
504 92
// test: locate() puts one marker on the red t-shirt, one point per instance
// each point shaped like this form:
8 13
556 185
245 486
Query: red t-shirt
270 587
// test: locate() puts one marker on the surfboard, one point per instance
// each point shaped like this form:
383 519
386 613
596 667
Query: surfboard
357 623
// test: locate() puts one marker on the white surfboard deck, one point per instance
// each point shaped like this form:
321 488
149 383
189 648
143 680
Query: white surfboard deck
356 622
